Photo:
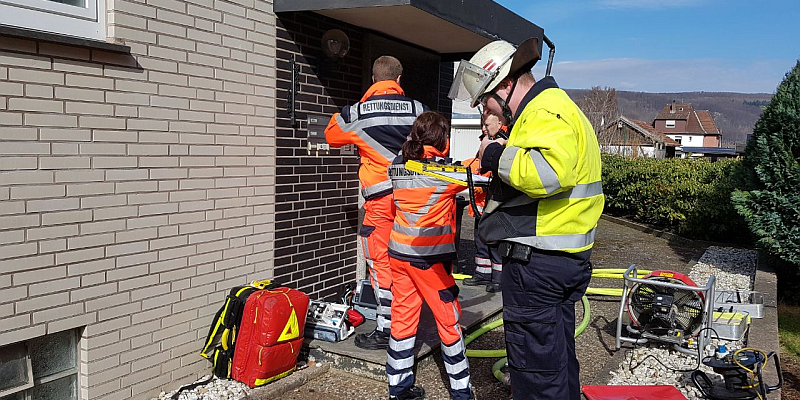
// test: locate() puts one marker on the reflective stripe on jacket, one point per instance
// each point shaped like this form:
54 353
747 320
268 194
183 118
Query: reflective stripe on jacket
552 157
379 125
425 225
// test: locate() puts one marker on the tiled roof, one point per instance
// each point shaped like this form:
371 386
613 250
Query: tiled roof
645 129
678 113
707 121
699 122
649 128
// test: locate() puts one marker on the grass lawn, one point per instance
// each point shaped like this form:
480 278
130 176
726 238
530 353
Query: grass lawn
789 328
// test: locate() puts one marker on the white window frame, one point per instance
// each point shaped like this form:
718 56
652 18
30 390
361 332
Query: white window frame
25 389
670 123
63 19
29 383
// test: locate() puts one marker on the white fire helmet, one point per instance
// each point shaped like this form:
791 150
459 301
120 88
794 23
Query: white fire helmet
483 72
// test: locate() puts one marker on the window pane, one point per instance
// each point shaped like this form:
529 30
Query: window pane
79 3
13 366
15 396
65 388
52 354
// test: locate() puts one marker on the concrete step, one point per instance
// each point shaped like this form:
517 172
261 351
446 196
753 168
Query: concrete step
477 306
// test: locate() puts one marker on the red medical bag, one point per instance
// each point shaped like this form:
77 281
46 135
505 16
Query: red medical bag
270 336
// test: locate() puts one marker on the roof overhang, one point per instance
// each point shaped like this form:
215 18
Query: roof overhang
442 26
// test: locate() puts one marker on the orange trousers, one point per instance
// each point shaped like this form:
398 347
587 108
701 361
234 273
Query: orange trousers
411 284
375 230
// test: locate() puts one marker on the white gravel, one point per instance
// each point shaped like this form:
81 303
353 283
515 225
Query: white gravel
734 269
217 389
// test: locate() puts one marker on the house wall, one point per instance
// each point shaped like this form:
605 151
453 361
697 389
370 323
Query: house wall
137 189
318 205
317 194
688 140
633 151
661 126
711 141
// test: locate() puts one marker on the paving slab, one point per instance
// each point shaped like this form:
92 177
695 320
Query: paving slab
477 305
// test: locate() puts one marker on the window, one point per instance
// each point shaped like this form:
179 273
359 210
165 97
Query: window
79 18
43 368
678 139
670 123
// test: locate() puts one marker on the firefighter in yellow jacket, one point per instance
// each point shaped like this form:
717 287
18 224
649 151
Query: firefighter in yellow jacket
545 200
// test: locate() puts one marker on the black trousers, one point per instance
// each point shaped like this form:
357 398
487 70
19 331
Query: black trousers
539 317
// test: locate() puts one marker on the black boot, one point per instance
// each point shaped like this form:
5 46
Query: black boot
375 340
413 393
493 287
476 280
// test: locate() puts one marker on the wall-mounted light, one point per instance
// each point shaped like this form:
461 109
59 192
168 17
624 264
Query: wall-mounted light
335 44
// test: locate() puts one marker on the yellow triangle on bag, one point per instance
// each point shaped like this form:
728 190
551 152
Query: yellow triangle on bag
291 330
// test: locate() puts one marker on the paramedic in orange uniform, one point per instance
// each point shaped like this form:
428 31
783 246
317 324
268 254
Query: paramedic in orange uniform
379 125
488 263
422 250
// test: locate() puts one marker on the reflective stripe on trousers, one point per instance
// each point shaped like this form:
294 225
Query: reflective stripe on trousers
411 286
379 214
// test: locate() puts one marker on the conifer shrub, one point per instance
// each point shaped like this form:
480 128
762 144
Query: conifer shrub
770 199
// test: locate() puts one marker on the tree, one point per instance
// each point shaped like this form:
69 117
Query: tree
770 202
600 107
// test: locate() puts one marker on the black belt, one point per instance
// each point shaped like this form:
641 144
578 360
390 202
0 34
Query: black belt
517 251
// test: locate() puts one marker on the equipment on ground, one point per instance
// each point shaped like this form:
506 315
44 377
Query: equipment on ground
741 373
747 301
729 324
632 392
327 321
221 340
665 307
364 300
270 337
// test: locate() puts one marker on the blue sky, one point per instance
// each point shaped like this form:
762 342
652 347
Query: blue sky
668 45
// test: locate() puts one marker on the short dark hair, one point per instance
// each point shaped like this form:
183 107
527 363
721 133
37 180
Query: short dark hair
431 128
386 68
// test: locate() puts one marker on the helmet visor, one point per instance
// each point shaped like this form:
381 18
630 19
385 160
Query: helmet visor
470 82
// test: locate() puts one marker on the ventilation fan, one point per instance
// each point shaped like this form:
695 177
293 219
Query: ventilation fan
665 306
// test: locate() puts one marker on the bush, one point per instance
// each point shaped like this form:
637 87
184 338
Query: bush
689 197
770 201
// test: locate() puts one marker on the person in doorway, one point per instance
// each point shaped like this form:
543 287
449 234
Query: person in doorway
544 205
488 263
378 125
422 250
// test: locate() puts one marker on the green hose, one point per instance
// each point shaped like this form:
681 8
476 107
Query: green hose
496 368
598 273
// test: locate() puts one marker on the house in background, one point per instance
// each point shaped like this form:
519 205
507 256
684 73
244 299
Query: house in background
634 138
687 126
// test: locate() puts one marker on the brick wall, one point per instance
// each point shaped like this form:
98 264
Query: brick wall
316 196
136 189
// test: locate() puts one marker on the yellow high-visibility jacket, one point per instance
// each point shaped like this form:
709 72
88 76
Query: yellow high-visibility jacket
552 157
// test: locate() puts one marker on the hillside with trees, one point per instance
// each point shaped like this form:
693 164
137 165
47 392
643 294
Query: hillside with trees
734 113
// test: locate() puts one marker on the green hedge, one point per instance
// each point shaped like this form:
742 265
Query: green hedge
686 196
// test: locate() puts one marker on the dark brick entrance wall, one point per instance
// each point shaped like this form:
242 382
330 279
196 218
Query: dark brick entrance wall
317 196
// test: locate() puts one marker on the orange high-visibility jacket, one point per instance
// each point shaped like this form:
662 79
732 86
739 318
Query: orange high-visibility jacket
378 125
425 225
